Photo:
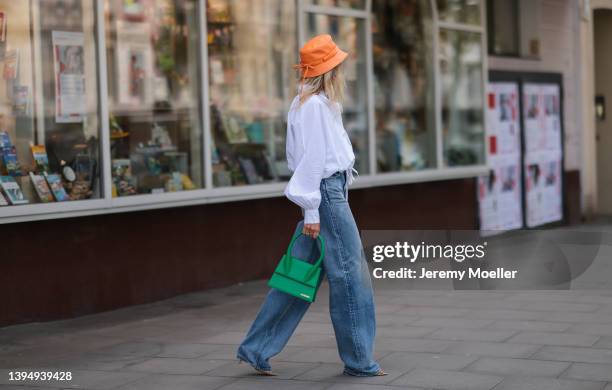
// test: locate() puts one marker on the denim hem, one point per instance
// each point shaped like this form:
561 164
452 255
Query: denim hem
351 372
255 366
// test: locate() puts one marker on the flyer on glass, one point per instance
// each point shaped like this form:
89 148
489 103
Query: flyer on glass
543 154
69 66
499 192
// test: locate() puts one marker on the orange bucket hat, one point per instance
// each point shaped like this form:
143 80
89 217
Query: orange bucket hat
319 55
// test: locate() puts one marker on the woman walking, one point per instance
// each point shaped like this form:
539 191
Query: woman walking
320 155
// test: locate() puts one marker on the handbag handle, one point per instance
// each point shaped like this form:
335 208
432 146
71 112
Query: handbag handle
316 264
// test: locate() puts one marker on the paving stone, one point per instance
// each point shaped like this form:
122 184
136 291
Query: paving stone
311 340
590 371
561 306
233 338
187 350
507 314
176 382
176 366
483 348
136 349
283 370
576 317
433 311
448 380
531 325
405 361
471 334
98 362
264 383
604 342
8 387
413 345
395 320
534 383
575 354
594 329
487 303
464 323
518 367
405 331
550 338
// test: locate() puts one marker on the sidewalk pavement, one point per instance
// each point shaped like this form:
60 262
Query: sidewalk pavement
473 340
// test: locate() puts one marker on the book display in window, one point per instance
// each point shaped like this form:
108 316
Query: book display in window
5 139
41 159
10 161
57 187
155 129
12 190
41 187
249 91
43 152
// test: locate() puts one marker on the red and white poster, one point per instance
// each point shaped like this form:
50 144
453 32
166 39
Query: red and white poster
543 154
69 68
499 193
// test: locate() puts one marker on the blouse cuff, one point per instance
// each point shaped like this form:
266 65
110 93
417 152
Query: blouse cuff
311 216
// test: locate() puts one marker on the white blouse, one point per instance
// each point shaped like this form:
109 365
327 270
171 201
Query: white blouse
317 147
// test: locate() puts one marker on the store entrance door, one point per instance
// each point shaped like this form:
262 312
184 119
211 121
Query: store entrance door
602 32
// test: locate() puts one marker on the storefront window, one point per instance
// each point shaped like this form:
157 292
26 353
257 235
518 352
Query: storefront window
252 45
403 85
339 3
49 122
459 11
349 33
462 97
153 65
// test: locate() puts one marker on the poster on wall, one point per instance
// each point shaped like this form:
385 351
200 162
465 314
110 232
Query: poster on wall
134 64
11 65
69 68
543 154
499 192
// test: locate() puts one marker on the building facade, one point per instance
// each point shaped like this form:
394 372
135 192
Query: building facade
143 141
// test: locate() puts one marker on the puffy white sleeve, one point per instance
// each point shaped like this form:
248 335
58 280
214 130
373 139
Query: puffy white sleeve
304 187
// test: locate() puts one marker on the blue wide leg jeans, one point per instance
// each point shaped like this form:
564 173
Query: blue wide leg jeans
351 301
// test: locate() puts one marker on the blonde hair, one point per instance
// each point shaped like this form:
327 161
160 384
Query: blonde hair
332 83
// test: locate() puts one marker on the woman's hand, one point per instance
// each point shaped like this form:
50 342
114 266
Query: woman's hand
311 230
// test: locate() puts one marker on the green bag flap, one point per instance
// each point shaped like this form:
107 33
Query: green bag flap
299 270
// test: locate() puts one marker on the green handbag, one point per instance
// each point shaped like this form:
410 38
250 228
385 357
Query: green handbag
297 277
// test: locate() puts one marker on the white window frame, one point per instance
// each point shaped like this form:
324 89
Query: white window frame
209 194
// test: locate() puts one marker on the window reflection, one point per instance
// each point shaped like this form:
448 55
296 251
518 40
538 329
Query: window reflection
340 3
462 97
252 45
459 11
349 34
403 85
49 121
153 65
